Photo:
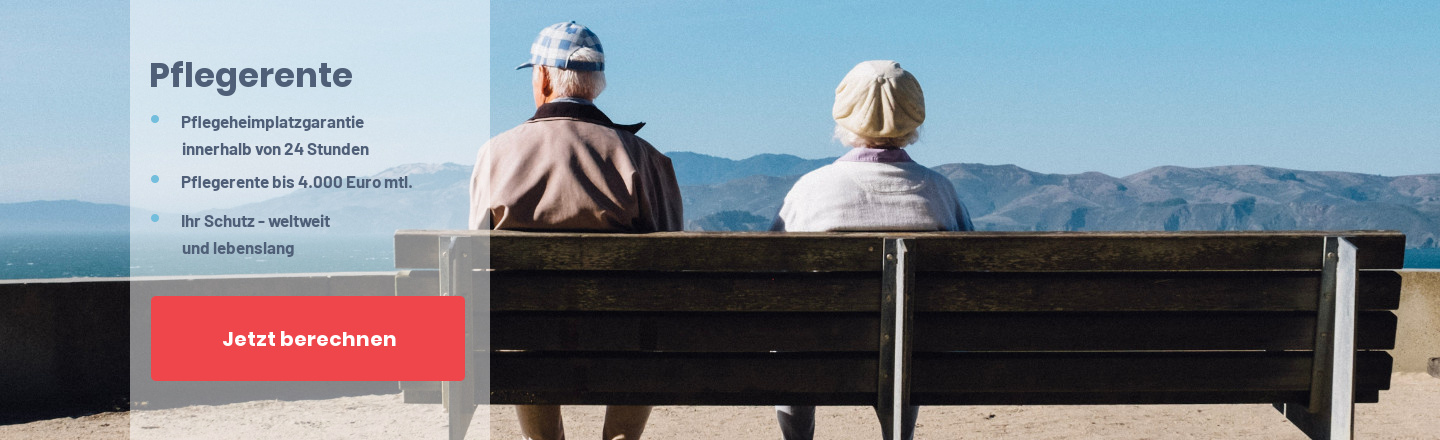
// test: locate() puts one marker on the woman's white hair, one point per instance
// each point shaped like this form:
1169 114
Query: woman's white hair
578 83
852 140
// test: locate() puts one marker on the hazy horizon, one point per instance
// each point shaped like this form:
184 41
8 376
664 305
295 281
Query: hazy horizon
467 165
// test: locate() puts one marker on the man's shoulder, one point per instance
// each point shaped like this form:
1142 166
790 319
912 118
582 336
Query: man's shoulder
506 137
545 130
583 127
527 134
520 131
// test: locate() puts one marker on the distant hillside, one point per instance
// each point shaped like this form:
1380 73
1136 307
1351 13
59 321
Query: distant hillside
1000 197
700 169
439 198
1228 198
67 216
758 195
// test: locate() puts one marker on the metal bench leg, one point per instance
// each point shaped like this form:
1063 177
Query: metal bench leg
412 391
457 278
895 336
1331 412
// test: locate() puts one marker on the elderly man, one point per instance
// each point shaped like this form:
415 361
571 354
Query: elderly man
569 168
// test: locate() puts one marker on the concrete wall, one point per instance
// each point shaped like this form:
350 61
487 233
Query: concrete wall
63 345
83 344
67 343
1418 337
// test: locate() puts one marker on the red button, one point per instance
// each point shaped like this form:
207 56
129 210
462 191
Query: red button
375 338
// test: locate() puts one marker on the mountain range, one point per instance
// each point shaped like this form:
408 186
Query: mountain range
726 194
60 216
1167 198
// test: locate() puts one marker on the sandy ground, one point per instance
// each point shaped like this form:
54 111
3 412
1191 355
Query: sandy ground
1410 410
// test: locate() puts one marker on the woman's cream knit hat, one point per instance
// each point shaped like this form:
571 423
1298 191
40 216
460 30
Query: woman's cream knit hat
878 99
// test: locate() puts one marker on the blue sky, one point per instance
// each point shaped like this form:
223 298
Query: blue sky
63 98
1062 87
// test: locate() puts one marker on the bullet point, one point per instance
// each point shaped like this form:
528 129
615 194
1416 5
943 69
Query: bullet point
155 179
154 217
154 118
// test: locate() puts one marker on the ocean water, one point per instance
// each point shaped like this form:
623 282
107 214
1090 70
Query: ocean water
27 256
24 256
160 255
109 255
1422 258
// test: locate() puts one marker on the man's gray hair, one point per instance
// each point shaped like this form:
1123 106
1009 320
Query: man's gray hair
852 140
578 83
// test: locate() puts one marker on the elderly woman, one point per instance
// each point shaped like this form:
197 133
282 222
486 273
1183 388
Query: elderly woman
873 187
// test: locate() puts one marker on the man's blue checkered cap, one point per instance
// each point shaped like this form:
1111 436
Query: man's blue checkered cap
556 43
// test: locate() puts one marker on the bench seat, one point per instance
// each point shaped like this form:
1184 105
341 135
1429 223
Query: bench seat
887 319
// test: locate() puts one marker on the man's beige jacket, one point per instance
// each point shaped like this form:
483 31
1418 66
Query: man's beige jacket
570 169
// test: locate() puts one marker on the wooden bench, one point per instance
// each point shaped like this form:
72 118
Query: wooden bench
979 318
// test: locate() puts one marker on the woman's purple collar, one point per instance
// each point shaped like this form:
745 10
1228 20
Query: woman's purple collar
880 155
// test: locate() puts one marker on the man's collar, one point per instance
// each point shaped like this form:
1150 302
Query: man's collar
574 100
583 112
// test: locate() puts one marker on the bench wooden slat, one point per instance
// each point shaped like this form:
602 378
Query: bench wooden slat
935 291
1140 251
1128 398
919 398
976 251
685 332
939 332
837 378
938 379
684 291
1142 291
756 398
1137 372
728 252
857 332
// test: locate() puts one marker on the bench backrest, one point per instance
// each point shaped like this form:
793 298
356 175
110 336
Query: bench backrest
973 318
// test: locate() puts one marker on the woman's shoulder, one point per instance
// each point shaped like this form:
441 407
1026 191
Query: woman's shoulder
825 173
827 179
